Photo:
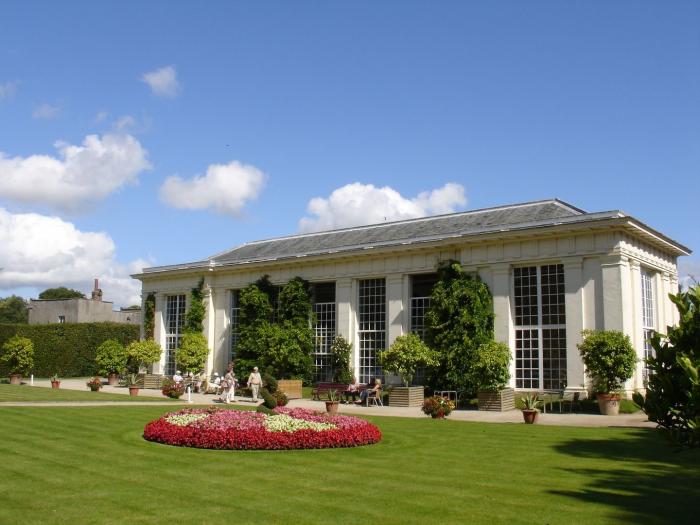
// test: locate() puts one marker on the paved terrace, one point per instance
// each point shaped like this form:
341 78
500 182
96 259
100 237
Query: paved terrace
513 416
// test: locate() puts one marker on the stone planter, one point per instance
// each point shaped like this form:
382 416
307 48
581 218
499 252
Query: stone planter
497 401
291 387
406 396
609 404
530 416
112 379
15 379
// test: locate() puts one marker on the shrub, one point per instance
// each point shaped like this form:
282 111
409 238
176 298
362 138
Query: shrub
406 355
268 399
281 398
143 353
340 360
490 371
111 357
270 382
437 406
459 321
609 358
193 352
67 349
95 383
672 397
18 353
262 409
172 389
194 318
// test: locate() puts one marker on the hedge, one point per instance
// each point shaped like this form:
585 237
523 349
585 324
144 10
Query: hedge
67 349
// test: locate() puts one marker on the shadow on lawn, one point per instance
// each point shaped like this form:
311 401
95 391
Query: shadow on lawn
654 484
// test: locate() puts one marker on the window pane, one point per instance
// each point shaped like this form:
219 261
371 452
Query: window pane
371 315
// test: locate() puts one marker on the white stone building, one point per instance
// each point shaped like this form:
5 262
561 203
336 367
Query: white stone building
552 268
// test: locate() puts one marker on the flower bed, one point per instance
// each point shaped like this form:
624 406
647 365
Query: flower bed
287 428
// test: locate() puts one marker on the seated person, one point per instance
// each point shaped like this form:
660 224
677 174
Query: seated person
177 377
353 390
215 384
371 392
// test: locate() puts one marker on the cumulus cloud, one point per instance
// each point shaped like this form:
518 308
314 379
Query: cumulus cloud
80 174
42 251
7 89
357 204
163 82
46 111
224 188
688 273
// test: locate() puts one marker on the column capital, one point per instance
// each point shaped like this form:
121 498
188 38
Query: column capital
635 264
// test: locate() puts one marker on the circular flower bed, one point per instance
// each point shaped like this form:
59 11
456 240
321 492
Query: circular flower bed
287 428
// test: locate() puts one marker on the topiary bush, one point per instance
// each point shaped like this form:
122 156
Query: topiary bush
111 357
18 354
406 354
270 382
143 354
609 358
268 399
672 398
490 371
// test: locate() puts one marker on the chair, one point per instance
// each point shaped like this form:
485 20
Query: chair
374 397
572 398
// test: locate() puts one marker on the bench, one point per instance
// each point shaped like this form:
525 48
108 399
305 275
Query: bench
154 381
322 389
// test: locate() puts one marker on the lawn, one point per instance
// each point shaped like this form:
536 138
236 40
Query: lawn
19 393
90 465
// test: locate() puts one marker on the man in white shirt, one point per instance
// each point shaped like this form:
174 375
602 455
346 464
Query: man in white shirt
254 383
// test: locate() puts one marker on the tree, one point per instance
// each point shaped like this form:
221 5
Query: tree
672 398
61 293
340 360
111 357
609 357
14 310
18 353
142 353
490 371
406 354
459 321
194 318
193 352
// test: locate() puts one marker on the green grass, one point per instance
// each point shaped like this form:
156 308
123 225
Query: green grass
90 465
21 393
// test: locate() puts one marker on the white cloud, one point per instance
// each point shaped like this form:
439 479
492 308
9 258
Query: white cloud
225 188
101 116
42 251
163 82
357 204
7 89
82 174
46 111
688 272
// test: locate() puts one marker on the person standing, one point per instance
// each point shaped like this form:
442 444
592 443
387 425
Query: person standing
231 380
254 383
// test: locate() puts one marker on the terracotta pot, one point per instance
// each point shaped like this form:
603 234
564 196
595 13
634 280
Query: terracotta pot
439 415
55 384
95 388
133 391
332 407
112 379
530 416
609 404
15 379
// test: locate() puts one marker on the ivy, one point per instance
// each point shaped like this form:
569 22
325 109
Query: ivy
459 321
340 360
149 315
194 318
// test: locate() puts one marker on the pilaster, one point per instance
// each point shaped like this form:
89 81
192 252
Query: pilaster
637 336
573 303
501 292
395 310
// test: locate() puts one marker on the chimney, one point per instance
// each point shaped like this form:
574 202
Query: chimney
96 292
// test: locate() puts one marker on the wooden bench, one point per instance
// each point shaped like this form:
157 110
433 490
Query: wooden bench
322 389
154 381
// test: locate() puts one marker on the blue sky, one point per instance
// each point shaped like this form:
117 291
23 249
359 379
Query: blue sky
439 106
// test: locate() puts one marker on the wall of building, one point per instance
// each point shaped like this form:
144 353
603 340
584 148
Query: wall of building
602 287
78 311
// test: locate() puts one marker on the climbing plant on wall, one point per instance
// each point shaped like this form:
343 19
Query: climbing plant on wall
194 318
149 315
459 321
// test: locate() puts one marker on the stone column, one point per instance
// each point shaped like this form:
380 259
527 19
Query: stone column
345 316
159 330
637 336
210 324
573 302
503 322
664 306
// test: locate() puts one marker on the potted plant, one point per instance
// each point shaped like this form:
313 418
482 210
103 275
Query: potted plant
18 353
332 402
530 408
55 382
111 358
490 373
437 407
172 389
403 358
141 354
610 360
132 382
95 384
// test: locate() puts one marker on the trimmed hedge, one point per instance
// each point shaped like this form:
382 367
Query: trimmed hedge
67 349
